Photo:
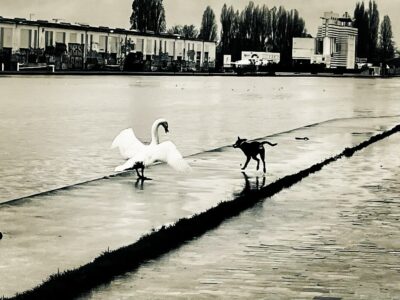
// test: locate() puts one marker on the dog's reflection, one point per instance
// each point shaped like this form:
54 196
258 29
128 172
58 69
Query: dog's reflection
253 184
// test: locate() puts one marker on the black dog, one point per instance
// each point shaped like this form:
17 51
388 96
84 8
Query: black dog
251 149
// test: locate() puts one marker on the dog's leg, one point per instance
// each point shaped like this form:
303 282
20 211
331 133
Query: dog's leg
258 162
262 155
246 163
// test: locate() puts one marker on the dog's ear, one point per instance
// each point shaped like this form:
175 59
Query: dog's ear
238 137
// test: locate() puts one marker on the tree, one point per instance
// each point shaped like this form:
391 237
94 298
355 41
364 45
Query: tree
187 31
157 16
176 29
386 43
263 21
361 22
373 16
190 32
299 26
254 27
208 30
257 28
246 32
228 30
367 23
148 15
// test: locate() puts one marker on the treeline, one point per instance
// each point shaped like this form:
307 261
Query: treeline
366 20
257 28
374 42
149 15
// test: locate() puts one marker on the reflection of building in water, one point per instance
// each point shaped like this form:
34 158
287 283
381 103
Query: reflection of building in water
334 46
74 46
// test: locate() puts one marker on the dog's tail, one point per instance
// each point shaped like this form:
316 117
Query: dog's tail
271 144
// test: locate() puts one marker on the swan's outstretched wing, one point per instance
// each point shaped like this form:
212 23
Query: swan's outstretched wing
167 152
139 157
127 165
127 143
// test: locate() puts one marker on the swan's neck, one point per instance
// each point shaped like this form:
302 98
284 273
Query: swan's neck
154 134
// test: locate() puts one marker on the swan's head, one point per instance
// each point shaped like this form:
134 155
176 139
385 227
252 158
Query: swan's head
163 123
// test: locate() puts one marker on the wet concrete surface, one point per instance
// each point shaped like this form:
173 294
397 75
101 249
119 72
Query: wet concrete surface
64 229
335 235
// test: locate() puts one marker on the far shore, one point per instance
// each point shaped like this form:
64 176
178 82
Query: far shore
228 74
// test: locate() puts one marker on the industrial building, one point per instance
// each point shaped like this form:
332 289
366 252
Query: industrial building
334 46
80 46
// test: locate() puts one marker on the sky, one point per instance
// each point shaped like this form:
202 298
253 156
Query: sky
115 13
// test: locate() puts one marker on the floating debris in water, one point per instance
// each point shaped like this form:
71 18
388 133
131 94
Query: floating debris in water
302 138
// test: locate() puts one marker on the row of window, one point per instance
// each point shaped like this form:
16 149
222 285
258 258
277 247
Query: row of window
30 38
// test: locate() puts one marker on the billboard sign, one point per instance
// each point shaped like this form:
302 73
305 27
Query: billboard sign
227 61
265 57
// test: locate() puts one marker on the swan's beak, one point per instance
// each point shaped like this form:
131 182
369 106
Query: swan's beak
165 125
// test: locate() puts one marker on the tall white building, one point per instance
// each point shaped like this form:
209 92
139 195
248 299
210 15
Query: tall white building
338 38
334 46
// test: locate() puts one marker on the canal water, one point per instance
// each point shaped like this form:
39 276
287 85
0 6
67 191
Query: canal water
57 131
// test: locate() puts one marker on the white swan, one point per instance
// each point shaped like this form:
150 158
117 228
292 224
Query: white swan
128 143
146 155
165 152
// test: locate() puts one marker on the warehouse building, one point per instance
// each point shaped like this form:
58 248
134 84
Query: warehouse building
80 46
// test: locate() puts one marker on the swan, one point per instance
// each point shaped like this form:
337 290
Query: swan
128 143
141 156
165 152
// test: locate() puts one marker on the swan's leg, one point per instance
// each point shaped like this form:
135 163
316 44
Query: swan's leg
142 168
143 177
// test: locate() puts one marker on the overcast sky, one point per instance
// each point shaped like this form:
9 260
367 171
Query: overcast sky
115 13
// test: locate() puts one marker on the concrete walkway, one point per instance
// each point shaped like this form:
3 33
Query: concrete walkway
335 235
65 229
